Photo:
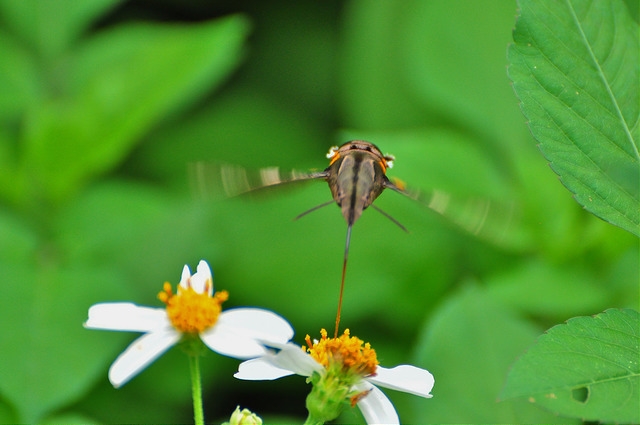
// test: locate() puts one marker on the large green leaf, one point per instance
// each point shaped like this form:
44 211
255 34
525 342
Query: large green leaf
113 223
547 290
214 134
19 77
412 64
586 368
574 66
118 85
48 359
49 26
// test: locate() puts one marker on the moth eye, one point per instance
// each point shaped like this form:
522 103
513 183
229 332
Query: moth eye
353 147
389 159
368 148
332 152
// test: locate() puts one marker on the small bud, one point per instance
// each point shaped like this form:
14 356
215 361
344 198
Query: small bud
244 417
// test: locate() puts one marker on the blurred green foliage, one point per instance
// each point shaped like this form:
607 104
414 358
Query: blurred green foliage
105 105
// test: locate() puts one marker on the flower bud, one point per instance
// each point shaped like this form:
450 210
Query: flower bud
244 417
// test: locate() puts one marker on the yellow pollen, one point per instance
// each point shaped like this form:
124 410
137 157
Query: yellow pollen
191 312
348 351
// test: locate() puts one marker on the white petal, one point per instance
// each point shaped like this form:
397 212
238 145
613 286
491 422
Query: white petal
375 406
126 317
186 275
291 357
140 354
241 332
203 280
257 323
407 378
226 341
260 370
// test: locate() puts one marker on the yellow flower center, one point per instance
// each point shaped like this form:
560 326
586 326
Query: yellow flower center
345 351
191 312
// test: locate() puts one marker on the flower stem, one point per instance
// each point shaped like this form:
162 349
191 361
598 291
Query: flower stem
196 389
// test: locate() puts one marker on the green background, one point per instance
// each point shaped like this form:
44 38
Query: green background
105 107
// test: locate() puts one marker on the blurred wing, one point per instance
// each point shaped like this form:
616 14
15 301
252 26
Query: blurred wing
484 218
213 180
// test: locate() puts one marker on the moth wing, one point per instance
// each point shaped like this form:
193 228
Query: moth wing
485 218
224 180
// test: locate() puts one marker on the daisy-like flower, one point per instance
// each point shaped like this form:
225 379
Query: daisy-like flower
194 311
343 371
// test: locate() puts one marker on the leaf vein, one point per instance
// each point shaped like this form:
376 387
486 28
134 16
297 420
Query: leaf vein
603 78
573 84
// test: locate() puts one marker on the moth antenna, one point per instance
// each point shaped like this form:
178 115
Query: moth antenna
317 207
344 272
390 218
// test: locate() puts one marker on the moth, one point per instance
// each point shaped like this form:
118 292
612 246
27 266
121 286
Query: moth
356 175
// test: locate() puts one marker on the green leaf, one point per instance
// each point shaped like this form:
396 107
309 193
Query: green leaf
224 120
118 86
50 26
7 414
541 289
18 241
49 360
378 97
574 66
468 346
90 228
586 368
411 64
70 418
19 77
444 65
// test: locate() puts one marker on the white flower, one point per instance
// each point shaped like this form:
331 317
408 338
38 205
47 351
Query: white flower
374 405
194 310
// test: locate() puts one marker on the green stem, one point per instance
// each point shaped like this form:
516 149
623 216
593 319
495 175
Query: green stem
196 389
